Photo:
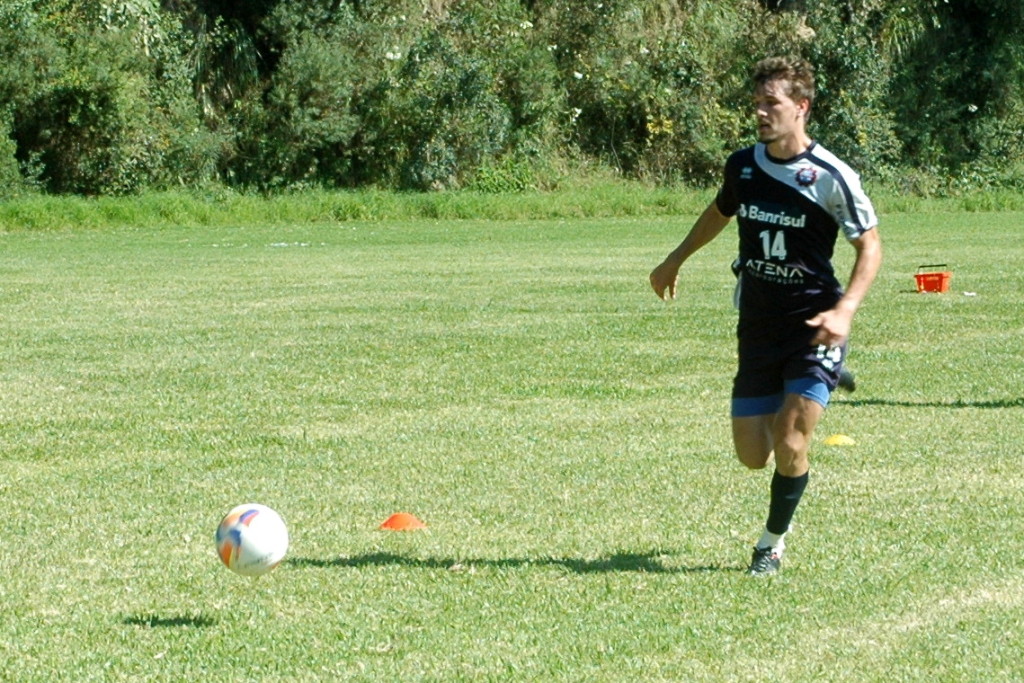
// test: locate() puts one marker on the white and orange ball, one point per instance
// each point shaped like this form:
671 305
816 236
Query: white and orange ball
252 539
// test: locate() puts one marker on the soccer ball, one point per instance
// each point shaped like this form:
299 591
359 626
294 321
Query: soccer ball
251 539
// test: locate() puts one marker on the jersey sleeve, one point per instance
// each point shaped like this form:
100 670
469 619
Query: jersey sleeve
851 207
727 201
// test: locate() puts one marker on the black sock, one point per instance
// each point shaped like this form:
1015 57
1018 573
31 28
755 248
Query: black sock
785 496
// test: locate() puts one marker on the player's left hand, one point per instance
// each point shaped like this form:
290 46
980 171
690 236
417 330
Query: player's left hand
833 327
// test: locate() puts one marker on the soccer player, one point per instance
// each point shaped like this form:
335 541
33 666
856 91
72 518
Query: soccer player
791 198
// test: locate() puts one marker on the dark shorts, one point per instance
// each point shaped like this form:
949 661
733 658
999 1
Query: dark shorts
775 358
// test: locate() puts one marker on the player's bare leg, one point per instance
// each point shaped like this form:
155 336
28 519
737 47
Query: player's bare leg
753 438
794 426
786 436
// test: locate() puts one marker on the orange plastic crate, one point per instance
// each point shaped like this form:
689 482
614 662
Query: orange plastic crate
934 278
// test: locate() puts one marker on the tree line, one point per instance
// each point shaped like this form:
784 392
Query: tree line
101 97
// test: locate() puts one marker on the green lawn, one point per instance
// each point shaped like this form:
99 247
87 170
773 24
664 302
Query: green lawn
563 434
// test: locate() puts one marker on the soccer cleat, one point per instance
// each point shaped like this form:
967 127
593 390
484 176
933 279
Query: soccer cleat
847 382
765 562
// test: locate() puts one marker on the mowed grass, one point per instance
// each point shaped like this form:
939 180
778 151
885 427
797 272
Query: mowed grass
563 434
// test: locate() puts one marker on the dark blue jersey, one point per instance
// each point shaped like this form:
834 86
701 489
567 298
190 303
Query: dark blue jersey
790 213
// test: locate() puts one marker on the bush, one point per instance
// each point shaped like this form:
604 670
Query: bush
106 115
396 98
310 120
658 90
958 90
852 110
103 97
472 86
92 130
11 182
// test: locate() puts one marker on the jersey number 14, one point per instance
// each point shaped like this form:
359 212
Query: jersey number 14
774 247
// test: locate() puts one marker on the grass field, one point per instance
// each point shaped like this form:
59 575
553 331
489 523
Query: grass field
563 434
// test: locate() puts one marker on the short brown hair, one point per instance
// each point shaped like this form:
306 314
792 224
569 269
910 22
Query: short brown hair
796 72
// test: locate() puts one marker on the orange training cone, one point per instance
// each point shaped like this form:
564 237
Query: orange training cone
402 521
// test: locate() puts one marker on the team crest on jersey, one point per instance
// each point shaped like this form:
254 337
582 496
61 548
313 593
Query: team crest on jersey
805 177
747 173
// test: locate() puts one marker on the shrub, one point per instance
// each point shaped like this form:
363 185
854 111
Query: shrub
660 90
852 110
107 114
115 96
310 117
11 182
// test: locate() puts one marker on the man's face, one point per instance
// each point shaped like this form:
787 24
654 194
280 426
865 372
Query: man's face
778 115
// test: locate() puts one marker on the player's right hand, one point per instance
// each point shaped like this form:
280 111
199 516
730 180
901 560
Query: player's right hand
663 280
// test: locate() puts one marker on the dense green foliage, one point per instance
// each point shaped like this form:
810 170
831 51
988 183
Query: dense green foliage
117 96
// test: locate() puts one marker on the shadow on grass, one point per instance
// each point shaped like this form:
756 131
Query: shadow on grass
861 402
177 621
619 562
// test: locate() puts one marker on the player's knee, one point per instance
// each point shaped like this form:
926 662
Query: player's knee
791 457
791 446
